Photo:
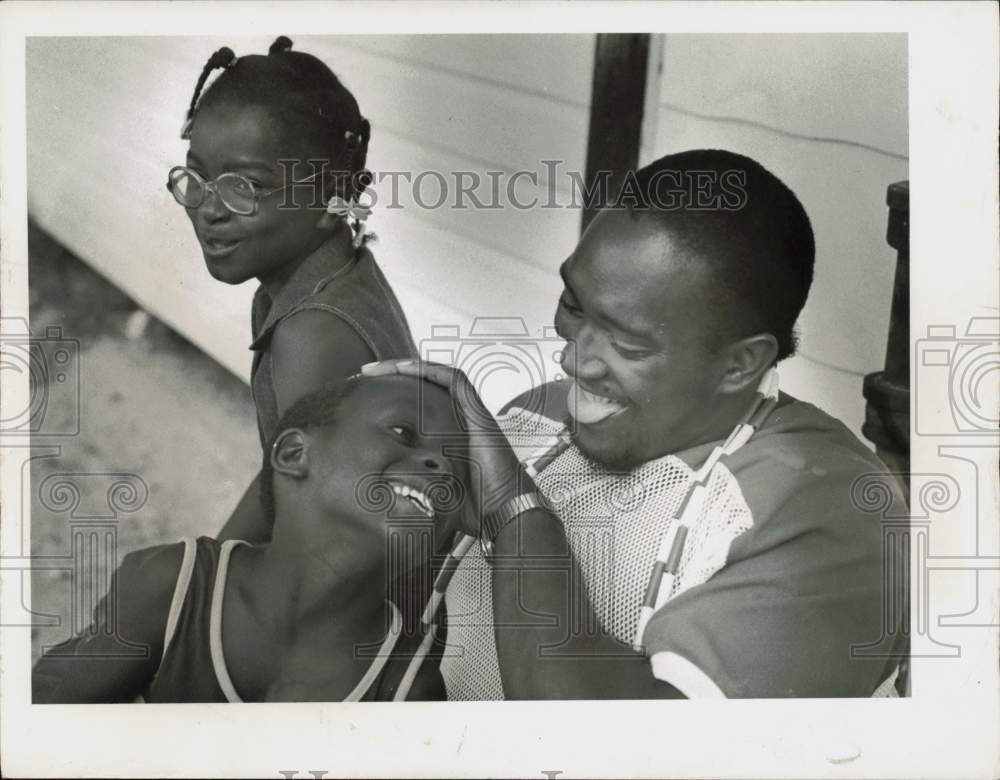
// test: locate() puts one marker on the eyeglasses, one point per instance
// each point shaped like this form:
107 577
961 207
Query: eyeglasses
237 192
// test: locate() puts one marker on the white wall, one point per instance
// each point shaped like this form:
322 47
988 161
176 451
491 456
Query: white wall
828 115
104 116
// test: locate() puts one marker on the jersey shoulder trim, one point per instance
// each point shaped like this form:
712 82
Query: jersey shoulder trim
180 591
684 675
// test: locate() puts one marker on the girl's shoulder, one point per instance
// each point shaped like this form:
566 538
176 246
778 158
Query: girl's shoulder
311 350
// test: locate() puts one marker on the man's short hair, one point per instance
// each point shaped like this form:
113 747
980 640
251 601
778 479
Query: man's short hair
746 224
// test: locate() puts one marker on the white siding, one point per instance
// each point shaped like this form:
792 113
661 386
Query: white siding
828 115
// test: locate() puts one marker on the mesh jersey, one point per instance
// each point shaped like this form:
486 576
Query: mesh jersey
770 594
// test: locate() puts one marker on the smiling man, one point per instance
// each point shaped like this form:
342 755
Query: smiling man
624 564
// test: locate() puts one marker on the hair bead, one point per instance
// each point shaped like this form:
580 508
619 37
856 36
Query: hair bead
281 44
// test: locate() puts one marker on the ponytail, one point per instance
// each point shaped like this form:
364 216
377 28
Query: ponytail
223 58
281 44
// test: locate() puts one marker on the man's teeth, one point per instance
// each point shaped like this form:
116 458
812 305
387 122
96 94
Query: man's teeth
417 498
588 408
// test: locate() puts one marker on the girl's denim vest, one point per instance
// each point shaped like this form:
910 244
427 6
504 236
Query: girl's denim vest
357 293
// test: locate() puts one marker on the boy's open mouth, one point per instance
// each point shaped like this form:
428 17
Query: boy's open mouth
416 496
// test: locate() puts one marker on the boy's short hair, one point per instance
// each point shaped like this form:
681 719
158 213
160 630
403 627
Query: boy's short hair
315 410
746 224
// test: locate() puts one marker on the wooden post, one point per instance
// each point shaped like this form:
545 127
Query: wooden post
616 112
887 413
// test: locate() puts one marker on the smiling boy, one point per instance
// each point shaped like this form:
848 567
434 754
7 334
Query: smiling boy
357 483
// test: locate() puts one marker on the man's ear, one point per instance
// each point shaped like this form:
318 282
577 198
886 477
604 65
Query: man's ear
290 454
748 359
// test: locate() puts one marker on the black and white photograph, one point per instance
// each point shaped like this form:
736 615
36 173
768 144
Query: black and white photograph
558 383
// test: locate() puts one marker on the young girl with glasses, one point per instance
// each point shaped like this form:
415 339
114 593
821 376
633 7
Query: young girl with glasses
272 185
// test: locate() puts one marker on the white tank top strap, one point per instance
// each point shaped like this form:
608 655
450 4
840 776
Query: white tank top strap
215 635
388 644
215 622
180 591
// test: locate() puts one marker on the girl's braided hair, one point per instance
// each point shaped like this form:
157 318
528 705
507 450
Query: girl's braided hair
302 92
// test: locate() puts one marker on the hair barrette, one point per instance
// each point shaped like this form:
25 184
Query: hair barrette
343 208
340 207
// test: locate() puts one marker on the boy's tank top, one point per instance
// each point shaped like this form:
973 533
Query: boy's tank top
358 293
193 667
188 671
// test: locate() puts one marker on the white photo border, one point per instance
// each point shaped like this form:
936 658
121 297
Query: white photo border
947 728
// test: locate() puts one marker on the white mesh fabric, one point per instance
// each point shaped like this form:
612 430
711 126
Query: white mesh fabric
470 667
887 689
614 523
724 517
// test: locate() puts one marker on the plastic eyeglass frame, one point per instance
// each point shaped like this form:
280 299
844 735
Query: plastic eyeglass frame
213 186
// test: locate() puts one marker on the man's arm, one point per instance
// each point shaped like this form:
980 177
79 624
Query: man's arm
543 577
533 594
805 606
538 597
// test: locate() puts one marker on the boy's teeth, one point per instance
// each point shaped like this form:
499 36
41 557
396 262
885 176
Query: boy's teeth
416 497
588 408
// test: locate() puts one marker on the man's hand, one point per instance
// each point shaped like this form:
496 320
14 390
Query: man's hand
525 586
500 475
